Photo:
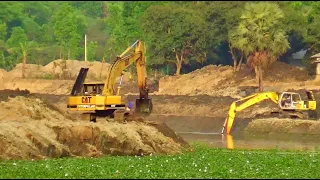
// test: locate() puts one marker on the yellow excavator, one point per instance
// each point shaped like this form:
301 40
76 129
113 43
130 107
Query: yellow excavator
290 106
100 99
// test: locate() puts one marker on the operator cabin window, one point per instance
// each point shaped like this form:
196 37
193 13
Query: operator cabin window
99 87
85 90
295 98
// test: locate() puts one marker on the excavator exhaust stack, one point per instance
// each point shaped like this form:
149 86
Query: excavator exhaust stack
143 106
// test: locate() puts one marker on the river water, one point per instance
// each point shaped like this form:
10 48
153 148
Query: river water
208 130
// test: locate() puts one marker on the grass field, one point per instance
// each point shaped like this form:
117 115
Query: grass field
203 162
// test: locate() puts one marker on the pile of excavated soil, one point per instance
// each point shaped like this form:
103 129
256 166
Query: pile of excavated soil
29 129
5 94
222 81
210 80
31 71
289 126
283 72
44 86
63 69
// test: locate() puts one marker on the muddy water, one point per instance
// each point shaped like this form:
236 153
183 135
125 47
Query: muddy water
208 130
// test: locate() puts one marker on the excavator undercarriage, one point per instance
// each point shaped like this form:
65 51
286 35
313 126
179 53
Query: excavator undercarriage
310 115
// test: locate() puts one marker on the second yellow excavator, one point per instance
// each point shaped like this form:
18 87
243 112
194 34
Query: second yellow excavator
101 98
289 103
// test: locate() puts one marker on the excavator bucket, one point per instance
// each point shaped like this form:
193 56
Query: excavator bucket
144 106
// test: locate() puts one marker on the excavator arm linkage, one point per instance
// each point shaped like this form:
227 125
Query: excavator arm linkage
133 54
247 102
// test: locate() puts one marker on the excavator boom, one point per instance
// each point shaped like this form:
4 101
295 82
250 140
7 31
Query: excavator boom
247 102
133 54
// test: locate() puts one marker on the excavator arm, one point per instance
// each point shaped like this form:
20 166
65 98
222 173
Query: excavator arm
247 102
133 54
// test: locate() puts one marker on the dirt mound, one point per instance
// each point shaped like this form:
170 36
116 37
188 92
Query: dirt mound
210 80
30 129
62 69
5 94
70 68
283 72
284 126
44 86
222 81
31 71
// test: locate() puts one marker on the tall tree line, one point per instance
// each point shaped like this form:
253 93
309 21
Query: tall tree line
179 36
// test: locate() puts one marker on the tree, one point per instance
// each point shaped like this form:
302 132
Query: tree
260 37
3 30
32 28
92 46
123 25
115 27
69 29
18 36
237 49
24 48
182 35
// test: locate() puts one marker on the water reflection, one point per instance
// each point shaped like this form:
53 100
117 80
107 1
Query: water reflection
284 142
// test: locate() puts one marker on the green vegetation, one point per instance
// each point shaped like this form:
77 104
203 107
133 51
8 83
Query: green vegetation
259 37
179 36
204 162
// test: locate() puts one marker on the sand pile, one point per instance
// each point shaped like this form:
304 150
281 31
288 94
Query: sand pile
222 81
62 69
210 80
280 72
29 129
31 71
43 86
70 68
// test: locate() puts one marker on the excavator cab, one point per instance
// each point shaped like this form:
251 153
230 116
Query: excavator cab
92 88
293 101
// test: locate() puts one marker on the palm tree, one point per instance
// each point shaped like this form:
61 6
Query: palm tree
25 49
259 37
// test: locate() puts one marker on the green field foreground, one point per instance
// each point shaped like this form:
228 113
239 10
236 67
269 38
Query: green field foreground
203 162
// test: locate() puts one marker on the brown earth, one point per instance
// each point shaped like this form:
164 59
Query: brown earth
30 129
287 126
222 81
44 79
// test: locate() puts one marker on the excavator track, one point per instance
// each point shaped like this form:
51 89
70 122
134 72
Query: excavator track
309 115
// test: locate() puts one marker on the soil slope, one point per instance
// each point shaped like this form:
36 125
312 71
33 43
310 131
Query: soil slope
29 129
222 81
